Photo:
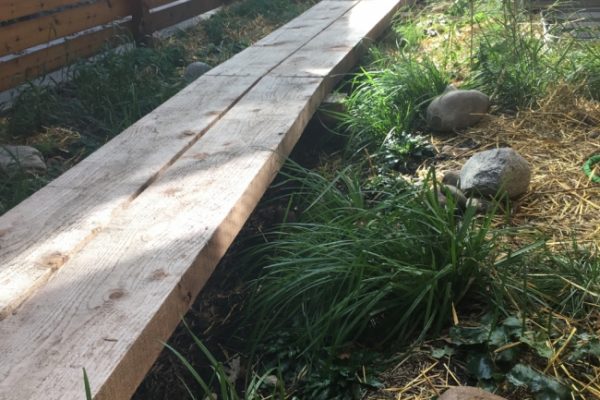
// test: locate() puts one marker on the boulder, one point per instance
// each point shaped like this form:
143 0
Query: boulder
468 393
26 159
456 109
195 70
488 172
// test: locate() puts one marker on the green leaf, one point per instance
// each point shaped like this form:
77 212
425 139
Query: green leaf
542 386
86 384
480 366
438 353
469 335
537 342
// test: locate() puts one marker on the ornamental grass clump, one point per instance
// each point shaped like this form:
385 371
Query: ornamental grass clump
369 266
392 98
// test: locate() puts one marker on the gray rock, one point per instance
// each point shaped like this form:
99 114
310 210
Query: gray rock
451 177
488 172
26 159
449 88
459 197
481 205
456 109
468 393
195 70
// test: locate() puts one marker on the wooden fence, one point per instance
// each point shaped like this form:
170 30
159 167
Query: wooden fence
41 36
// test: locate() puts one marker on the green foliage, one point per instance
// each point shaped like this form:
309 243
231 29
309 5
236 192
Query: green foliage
320 377
103 97
497 353
517 66
392 98
86 384
516 70
16 187
368 265
584 69
220 381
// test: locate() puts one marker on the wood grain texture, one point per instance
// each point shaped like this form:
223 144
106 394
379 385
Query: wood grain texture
25 34
338 48
180 12
38 63
266 54
38 236
135 230
11 9
99 311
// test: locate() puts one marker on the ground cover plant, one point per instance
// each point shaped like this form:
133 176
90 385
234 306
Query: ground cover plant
373 289
68 121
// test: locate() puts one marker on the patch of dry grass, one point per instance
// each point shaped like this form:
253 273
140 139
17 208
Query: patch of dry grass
556 138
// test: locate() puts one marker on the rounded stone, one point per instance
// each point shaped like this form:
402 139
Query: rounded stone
15 159
195 70
457 109
496 171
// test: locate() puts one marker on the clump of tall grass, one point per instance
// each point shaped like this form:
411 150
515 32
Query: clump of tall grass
368 265
517 66
392 98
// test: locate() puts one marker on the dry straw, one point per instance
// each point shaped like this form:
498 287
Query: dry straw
556 138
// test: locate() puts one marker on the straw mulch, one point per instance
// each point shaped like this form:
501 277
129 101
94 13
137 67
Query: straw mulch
556 138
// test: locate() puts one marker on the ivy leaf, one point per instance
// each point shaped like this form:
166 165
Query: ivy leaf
538 343
439 353
480 366
469 335
542 386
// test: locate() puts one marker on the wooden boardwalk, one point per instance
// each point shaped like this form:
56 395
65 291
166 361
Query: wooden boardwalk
98 268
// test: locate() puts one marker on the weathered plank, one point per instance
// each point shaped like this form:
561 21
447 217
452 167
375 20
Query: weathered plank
107 308
269 52
338 48
177 13
38 236
154 210
33 247
25 34
32 65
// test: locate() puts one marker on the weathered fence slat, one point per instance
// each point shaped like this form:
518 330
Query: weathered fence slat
38 37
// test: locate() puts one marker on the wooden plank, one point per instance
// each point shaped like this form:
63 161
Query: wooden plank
156 3
113 302
39 235
22 35
180 12
11 9
123 289
269 52
24 258
338 48
32 65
